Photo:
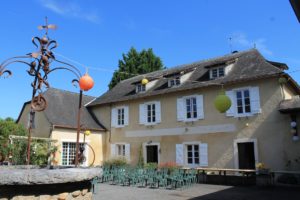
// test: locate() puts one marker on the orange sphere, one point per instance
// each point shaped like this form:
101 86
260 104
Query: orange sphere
86 82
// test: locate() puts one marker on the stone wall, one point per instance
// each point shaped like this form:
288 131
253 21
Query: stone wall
27 183
64 191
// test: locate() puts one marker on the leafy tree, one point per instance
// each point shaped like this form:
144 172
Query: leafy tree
136 63
9 127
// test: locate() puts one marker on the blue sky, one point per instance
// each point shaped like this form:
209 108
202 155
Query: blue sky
96 33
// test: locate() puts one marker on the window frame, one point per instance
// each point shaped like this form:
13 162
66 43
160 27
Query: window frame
217 72
185 153
193 151
244 113
174 81
195 117
153 113
140 88
120 116
69 158
120 148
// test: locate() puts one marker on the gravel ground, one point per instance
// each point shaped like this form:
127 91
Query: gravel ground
198 191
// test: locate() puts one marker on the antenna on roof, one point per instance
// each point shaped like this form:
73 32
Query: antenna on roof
254 45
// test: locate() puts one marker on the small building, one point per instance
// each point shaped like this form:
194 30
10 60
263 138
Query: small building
59 122
173 118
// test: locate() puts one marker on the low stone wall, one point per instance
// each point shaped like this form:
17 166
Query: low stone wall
47 184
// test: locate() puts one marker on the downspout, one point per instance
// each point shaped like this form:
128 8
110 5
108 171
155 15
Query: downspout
109 139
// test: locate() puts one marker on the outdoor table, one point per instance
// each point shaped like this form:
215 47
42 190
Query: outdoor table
224 171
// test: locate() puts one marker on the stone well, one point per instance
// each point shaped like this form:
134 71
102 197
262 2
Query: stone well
28 182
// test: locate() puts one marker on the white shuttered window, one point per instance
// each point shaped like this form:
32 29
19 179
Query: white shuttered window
190 108
120 116
150 113
244 102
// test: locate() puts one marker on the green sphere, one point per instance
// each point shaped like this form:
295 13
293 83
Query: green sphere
222 103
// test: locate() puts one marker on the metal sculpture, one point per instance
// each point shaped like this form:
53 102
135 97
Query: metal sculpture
39 69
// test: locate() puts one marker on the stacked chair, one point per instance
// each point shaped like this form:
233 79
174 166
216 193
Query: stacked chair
139 177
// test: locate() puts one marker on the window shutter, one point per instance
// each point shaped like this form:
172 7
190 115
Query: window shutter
114 117
126 116
127 151
158 111
112 150
255 100
142 114
203 155
200 112
179 154
180 109
232 110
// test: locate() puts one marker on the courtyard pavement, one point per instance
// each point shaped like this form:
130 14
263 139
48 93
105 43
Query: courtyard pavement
198 191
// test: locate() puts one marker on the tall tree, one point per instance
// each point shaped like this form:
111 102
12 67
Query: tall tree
135 63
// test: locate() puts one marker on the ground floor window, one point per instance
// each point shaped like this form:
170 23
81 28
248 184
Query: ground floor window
121 149
192 154
68 152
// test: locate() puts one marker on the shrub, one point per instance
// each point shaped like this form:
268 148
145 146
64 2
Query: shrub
150 165
116 162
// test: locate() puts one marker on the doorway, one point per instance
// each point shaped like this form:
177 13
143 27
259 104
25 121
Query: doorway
151 152
245 153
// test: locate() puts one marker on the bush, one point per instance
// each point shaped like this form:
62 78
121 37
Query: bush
150 165
116 162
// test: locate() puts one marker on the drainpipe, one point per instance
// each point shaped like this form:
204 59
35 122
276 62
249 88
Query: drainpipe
109 139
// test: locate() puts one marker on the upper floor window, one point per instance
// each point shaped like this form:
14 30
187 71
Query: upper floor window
174 81
217 72
150 113
140 88
190 108
244 102
119 116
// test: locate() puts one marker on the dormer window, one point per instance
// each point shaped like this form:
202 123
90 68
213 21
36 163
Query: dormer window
140 88
174 81
217 72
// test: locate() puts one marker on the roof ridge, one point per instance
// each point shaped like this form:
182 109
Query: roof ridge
67 91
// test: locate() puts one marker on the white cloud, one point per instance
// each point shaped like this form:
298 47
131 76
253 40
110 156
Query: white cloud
70 9
241 40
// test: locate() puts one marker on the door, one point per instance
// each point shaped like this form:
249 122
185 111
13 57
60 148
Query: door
246 155
152 153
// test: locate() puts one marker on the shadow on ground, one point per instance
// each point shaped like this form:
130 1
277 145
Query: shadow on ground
253 193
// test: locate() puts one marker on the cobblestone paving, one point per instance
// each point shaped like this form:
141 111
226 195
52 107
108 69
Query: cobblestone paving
198 191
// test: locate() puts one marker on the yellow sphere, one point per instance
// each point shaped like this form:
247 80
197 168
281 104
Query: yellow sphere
87 132
222 103
145 81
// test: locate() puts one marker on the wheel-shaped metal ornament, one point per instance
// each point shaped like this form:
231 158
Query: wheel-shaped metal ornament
39 103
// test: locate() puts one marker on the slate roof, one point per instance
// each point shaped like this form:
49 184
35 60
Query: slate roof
248 65
62 109
290 105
